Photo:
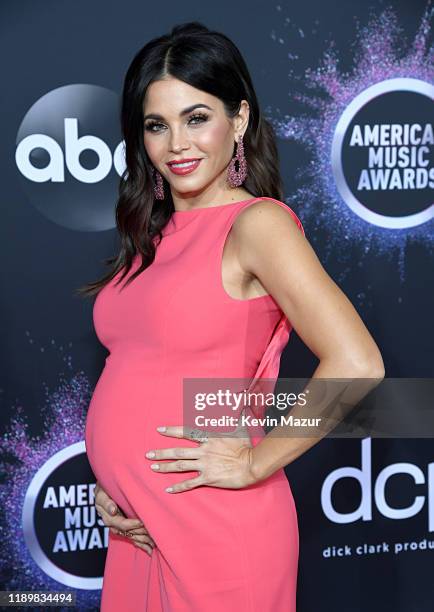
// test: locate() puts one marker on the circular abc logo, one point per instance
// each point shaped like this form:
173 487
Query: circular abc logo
382 153
69 156
62 530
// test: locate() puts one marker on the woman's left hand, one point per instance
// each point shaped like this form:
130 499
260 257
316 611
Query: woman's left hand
224 462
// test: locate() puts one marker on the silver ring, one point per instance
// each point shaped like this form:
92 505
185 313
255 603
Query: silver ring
199 435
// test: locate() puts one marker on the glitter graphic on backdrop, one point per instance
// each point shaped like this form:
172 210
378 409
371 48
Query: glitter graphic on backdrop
62 422
379 54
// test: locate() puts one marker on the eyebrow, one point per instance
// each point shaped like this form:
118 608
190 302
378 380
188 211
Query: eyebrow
181 114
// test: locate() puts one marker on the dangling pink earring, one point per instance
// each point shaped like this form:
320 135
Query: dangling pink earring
237 177
158 185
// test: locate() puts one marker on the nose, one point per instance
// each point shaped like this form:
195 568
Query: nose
178 140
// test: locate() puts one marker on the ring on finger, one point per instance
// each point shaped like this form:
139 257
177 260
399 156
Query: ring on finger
199 435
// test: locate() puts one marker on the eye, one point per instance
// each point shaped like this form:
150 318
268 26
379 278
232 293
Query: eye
202 116
149 127
197 117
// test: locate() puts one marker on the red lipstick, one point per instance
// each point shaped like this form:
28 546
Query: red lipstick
193 163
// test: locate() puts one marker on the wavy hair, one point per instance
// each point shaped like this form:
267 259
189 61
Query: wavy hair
211 62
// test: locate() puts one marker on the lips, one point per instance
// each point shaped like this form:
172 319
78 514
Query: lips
182 161
193 163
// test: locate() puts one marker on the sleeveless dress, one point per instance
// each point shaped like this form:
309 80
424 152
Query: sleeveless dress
232 550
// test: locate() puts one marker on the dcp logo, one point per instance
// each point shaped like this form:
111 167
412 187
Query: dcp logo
364 476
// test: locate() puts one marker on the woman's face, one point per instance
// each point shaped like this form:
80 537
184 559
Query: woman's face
173 130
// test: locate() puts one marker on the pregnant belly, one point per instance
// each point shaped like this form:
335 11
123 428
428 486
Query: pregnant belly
128 403
119 415
126 407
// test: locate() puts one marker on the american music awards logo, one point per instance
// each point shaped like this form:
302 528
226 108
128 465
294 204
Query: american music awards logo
61 528
367 183
382 153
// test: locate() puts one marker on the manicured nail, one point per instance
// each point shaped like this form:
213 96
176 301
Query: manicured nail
161 428
169 489
150 454
155 466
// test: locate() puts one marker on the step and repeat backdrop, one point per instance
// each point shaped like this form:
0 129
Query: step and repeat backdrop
348 87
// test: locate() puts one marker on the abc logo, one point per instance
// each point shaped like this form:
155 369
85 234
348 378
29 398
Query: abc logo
75 145
69 156
363 476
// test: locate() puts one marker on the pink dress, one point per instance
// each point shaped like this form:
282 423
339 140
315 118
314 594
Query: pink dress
231 550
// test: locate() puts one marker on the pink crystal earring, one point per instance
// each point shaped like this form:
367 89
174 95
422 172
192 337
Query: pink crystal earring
158 184
237 177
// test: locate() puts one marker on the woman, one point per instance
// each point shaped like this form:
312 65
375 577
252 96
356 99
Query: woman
209 274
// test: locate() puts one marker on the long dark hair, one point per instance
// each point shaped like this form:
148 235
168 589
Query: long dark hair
208 61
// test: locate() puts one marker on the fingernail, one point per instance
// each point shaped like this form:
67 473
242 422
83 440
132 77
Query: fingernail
155 466
150 454
169 489
161 428
112 510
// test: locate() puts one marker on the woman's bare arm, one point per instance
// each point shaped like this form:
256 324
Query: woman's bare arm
270 247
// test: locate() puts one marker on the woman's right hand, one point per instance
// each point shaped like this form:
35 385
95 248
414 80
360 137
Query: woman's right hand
119 524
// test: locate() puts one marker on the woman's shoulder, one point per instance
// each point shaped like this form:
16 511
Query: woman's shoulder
262 213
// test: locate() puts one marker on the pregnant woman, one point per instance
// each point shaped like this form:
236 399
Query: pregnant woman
210 278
